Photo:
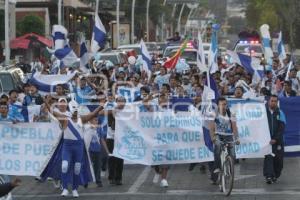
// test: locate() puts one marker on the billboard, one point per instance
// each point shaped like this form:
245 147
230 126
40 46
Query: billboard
124 35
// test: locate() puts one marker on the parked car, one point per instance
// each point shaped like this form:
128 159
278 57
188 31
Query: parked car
11 78
130 47
190 55
152 48
116 57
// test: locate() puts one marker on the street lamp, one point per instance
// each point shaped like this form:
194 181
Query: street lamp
192 7
132 21
179 19
59 5
118 23
7 28
147 19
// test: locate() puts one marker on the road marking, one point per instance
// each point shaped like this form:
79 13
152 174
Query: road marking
251 192
139 181
238 175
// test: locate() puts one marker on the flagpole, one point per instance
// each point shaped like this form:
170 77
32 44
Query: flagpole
179 19
173 14
188 18
118 23
147 19
59 11
132 21
97 7
7 46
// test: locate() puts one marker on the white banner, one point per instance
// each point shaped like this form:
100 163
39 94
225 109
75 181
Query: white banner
168 138
160 138
253 128
24 147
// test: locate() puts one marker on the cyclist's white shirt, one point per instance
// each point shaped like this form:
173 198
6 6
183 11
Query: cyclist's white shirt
223 124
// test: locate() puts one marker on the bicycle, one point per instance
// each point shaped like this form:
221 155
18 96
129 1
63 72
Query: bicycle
226 175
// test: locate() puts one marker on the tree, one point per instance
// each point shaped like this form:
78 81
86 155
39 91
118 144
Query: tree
31 24
236 24
279 14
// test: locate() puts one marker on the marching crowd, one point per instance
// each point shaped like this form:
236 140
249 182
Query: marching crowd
87 104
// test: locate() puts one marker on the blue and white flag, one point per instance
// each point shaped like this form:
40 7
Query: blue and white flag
84 56
59 35
66 55
280 49
200 55
249 63
213 53
147 66
266 41
99 35
46 83
62 50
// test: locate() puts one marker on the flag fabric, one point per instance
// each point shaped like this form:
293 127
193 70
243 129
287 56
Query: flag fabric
249 63
84 56
66 55
266 41
210 94
280 49
59 35
147 65
46 83
213 53
291 109
29 112
62 50
99 35
206 110
290 66
213 87
170 64
200 55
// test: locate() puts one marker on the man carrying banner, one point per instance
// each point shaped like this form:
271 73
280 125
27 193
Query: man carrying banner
223 128
273 163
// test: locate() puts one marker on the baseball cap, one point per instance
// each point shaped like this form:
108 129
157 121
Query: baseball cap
62 99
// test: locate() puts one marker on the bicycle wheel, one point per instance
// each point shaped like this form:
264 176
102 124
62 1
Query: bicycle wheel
227 175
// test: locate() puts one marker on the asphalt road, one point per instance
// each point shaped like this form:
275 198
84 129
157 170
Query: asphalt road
183 185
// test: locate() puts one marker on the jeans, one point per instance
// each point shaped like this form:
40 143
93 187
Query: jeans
274 165
115 165
96 161
217 149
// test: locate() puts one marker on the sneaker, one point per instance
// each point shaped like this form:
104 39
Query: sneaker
274 180
75 193
269 180
217 171
156 178
65 193
164 183
103 173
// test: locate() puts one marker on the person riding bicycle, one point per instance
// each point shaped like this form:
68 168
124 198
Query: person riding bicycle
223 129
